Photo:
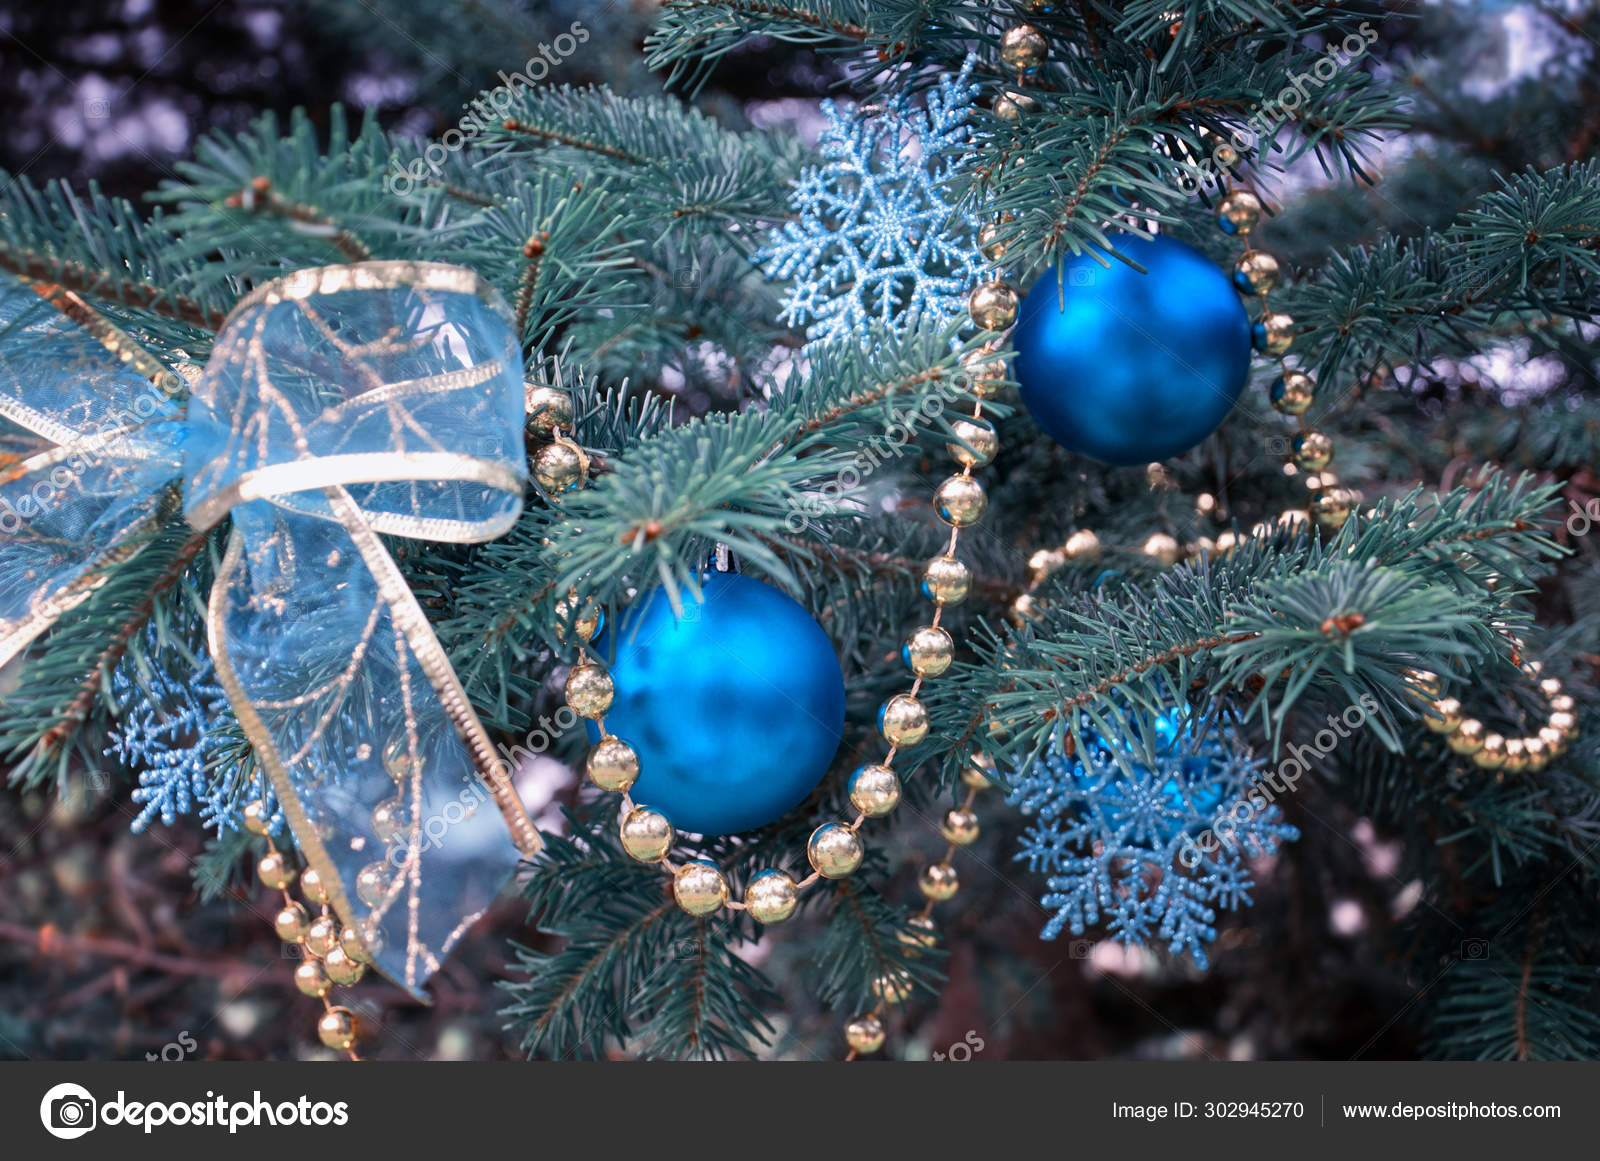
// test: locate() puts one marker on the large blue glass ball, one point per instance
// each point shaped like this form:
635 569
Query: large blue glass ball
734 708
1128 367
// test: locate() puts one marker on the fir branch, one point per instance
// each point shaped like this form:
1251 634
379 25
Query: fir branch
254 206
53 715
869 939
1527 249
259 197
93 283
570 140
634 968
101 248
72 717
1258 617
670 163
691 36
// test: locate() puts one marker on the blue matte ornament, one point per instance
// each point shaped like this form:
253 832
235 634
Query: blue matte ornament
734 708
1128 367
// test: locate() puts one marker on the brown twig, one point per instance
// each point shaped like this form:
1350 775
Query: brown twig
533 251
77 711
1535 939
97 284
260 198
567 139
49 942
867 398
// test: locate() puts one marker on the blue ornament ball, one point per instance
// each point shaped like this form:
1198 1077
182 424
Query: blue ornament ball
1190 792
734 708
1128 367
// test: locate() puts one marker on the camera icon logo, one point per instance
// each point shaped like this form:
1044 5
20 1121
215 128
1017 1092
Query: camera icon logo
68 1111
1474 949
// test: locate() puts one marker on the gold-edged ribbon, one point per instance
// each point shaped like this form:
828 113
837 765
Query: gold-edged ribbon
338 404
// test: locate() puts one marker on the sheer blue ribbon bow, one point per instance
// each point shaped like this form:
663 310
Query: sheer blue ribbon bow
338 403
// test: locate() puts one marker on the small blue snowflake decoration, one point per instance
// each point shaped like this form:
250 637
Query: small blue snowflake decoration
167 731
879 237
1154 837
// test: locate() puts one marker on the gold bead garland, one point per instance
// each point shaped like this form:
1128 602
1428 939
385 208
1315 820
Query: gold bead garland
1023 48
1255 274
1084 545
1470 738
560 465
946 580
334 956
939 881
834 850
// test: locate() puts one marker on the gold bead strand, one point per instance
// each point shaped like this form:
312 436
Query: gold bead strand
1469 738
1023 49
613 764
1084 545
1255 274
337 1026
938 882
560 465
960 502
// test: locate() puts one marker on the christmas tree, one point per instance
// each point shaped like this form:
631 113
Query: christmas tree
1271 740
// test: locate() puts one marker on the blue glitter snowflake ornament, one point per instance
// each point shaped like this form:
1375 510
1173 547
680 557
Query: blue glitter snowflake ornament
879 237
167 731
1154 838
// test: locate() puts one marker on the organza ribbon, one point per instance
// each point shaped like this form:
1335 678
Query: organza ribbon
338 404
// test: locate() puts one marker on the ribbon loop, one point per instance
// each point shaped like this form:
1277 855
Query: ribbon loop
338 404
397 380
87 446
